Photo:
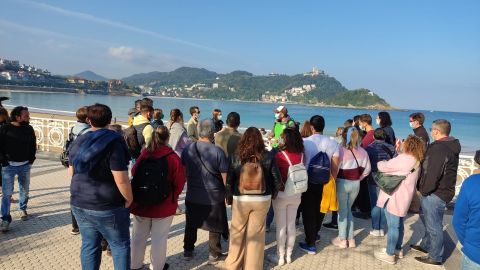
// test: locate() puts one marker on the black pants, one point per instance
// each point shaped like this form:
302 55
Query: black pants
214 246
311 216
362 202
74 221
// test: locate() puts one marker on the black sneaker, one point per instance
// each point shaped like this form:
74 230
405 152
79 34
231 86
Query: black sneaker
166 266
187 255
75 231
418 248
331 226
427 260
361 215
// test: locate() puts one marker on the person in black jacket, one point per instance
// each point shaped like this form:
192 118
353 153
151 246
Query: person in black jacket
437 188
416 123
249 210
17 154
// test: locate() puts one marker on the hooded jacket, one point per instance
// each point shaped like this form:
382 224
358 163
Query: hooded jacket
176 175
439 169
144 129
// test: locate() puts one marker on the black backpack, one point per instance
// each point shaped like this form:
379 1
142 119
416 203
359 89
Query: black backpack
66 148
134 147
150 183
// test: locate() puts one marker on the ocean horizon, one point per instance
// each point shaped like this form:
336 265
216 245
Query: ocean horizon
259 114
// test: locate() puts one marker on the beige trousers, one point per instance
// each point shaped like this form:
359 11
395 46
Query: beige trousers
247 235
157 229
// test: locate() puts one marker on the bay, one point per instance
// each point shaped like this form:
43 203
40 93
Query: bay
465 126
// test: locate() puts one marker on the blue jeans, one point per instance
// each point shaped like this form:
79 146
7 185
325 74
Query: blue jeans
347 191
433 209
378 214
270 216
113 225
8 177
395 232
468 264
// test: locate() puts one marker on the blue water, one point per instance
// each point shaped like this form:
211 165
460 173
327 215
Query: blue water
465 126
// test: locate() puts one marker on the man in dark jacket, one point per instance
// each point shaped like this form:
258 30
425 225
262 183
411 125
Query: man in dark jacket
416 123
437 188
17 153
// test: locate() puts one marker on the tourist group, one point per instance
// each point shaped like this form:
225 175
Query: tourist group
134 175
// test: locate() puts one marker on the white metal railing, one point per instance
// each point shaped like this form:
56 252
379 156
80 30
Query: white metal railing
52 133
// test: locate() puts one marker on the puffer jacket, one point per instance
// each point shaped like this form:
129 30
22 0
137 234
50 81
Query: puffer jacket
271 173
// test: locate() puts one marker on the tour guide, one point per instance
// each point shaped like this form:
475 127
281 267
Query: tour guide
282 121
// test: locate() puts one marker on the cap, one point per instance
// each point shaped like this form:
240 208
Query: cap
281 109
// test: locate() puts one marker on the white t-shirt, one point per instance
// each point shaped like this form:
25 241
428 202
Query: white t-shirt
317 143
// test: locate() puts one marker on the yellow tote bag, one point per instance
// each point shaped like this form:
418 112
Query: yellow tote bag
329 197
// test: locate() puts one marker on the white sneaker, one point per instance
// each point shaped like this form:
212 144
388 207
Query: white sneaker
399 253
377 233
273 258
381 254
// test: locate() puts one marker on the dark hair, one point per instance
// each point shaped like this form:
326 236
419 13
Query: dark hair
144 108
82 114
365 118
318 123
193 109
147 101
443 126
156 113
348 123
233 119
355 120
251 144
3 112
217 110
385 119
17 112
306 130
138 102
380 134
292 141
99 115
117 128
419 117
477 157
175 115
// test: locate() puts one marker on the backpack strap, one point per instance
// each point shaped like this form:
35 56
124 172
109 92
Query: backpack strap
286 157
82 131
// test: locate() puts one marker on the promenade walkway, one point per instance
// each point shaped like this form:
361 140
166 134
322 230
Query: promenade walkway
44 241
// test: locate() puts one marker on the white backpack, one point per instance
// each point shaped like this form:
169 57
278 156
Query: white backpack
297 178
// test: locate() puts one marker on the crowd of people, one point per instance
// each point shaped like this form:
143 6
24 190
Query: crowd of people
296 172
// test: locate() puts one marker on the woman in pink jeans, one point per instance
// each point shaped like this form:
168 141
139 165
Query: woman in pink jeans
396 205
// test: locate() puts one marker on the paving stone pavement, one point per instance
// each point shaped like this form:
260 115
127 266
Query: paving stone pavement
44 240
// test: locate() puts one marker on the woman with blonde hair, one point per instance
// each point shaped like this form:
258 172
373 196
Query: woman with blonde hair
354 166
154 221
396 205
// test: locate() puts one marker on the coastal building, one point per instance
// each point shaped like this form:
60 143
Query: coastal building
315 72
214 85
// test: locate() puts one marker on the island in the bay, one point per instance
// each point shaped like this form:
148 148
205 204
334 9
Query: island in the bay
314 87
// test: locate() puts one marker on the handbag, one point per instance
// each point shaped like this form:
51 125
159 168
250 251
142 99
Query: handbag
359 170
388 183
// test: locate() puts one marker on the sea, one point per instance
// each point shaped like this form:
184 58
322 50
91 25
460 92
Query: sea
465 126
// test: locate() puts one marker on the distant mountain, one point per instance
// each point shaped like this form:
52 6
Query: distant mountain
309 88
90 75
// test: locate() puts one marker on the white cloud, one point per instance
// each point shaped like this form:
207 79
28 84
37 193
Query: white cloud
142 58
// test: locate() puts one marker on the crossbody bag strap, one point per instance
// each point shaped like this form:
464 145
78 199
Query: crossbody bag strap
286 156
387 150
203 164
355 158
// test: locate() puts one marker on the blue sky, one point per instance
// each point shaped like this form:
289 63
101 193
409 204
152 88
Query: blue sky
415 54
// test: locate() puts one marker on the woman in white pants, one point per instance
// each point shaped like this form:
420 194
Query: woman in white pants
155 220
285 206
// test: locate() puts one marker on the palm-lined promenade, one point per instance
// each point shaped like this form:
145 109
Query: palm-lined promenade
44 240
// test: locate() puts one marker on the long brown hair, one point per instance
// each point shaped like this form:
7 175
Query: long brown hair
175 115
251 144
414 146
159 137
306 130
292 141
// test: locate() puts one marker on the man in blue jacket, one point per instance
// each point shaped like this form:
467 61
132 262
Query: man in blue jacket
466 219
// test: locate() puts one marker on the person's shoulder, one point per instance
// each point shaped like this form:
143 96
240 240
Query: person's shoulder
473 181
